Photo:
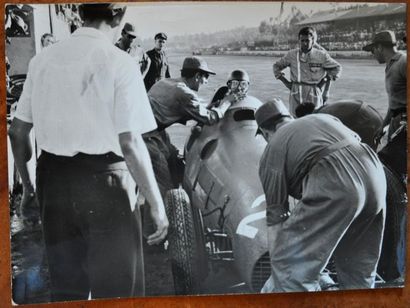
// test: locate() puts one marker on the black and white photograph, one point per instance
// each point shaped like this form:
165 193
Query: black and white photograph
204 148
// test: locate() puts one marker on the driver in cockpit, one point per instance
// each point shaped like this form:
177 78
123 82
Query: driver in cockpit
238 83
237 86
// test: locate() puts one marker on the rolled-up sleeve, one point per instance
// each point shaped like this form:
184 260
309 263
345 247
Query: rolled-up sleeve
272 174
196 110
132 110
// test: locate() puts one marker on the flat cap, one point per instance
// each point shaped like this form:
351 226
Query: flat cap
160 35
384 37
129 29
271 111
196 63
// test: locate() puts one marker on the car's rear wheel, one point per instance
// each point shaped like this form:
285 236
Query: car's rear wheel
186 248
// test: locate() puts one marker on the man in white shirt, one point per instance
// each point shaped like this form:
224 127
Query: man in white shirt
87 103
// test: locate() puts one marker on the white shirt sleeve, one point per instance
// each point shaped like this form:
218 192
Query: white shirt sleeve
132 110
24 108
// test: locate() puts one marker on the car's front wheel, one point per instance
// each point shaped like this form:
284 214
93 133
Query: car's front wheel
183 243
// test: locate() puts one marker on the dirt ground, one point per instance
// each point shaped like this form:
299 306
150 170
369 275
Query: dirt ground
30 276
159 280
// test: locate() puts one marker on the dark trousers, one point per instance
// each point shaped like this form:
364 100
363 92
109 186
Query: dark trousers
168 169
341 213
92 237
394 155
161 151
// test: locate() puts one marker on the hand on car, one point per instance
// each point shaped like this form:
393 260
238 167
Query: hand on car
234 97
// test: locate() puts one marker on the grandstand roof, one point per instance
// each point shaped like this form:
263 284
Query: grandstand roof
359 12
322 17
379 10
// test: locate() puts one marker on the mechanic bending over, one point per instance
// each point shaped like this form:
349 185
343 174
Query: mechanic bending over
341 185
175 100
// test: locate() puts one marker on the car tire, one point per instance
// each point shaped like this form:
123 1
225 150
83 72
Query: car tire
392 258
182 243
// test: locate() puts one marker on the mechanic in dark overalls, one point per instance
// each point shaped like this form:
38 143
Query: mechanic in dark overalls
341 188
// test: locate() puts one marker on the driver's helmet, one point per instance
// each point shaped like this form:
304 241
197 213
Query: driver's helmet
238 82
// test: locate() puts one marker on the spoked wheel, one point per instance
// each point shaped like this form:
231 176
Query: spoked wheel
186 248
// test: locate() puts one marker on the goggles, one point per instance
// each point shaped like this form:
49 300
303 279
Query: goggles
236 83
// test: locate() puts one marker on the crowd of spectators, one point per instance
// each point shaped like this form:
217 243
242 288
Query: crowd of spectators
353 37
344 36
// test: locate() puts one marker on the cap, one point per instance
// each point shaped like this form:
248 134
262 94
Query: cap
196 63
271 111
129 29
384 37
160 35
239 75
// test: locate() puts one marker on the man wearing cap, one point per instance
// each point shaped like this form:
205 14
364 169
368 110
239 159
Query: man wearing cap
384 50
88 124
159 68
128 34
127 42
175 100
341 188
308 67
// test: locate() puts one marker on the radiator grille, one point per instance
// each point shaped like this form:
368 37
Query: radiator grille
261 272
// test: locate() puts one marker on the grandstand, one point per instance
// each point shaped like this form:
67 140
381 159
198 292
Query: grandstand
353 28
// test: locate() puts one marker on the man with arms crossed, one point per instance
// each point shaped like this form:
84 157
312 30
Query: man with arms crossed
88 123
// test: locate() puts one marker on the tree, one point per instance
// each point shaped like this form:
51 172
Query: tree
264 27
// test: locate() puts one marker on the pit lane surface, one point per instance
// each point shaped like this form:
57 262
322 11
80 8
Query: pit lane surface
361 79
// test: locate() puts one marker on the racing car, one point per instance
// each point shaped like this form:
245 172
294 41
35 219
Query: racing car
218 215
